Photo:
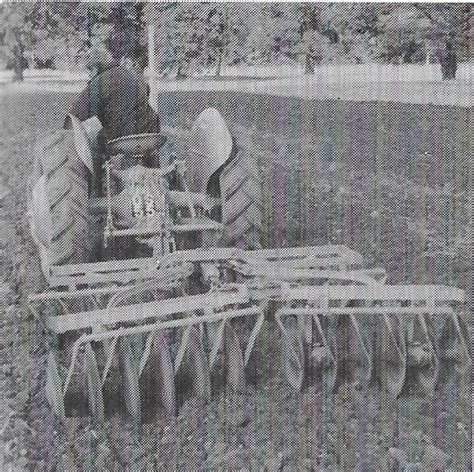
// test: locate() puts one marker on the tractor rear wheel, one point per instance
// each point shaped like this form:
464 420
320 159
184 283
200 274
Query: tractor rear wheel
241 200
67 185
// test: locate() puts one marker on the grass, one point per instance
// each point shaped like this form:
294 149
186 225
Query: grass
391 181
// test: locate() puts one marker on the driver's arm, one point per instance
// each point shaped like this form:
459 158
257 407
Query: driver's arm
91 101
82 107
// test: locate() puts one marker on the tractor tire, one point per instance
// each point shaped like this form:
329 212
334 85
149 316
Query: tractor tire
67 186
241 200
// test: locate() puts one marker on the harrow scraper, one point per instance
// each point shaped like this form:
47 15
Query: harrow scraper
183 302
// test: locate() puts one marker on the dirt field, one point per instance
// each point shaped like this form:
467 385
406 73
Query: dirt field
391 181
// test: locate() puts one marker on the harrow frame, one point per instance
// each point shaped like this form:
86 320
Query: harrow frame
324 279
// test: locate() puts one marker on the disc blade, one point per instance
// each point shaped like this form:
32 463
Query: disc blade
54 392
323 354
393 356
235 359
453 344
198 365
426 380
353 358
162 367
330 371
423 373
293 357
130 381
94 384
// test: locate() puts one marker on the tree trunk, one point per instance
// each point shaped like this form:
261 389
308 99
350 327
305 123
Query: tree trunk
219 62
449 65
448 59
309 65
68 54
180 74
18 72
18 64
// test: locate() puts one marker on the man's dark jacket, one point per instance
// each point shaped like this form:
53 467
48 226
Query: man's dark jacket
119 98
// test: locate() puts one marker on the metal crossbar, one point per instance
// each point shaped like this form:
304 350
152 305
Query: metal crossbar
362 276
146 310
121 271
398 310
125 271
163 278
329 250
377 292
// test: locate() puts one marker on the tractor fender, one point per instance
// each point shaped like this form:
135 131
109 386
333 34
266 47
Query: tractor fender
85 133
210 147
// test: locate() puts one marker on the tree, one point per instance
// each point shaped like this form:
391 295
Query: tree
293 32
228 28
449 32
313 45
311 33
127 29
359 28
18 34
51 33
62 34
402 34
275 36
179 35
190 37
411 31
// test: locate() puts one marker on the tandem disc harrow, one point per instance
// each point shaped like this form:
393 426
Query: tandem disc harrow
338 324
180 303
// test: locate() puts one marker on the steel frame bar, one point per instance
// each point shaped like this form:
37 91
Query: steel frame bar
171 279
277 273
329 250
124 271
397 310
142 311
429 294
196 225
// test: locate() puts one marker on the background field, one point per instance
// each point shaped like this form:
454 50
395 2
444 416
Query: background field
405 83
392 181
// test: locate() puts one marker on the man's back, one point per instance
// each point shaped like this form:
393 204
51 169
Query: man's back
119 98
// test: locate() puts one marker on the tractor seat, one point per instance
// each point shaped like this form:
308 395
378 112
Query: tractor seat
135 144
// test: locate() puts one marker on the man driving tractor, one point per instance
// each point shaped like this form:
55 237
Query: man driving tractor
117 95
